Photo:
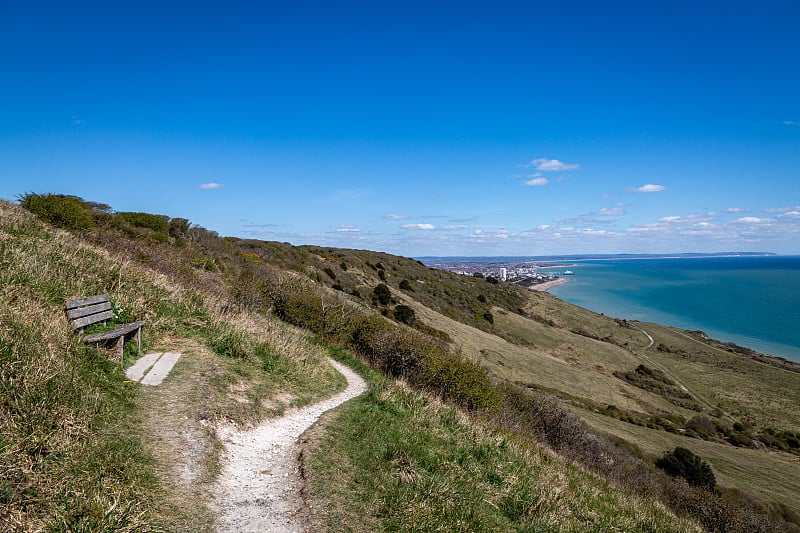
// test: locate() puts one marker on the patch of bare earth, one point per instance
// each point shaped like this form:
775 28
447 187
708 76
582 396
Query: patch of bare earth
259 486
179 434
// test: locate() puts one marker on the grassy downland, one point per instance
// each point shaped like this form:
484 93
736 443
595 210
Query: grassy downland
78 449
398 461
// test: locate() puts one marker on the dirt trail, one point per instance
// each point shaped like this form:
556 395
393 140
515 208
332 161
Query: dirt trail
258 488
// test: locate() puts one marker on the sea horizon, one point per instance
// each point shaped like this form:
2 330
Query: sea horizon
748 298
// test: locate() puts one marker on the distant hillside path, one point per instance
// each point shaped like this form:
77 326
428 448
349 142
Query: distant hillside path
258 488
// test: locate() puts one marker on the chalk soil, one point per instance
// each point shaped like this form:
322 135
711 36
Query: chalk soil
258 488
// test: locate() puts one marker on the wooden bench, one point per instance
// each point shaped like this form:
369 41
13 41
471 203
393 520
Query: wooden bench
84 312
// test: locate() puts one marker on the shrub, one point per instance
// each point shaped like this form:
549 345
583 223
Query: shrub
178 228
382 275
382 294
64 211
493 280
405 314
684 464
406 286
489 317
460 381
157 223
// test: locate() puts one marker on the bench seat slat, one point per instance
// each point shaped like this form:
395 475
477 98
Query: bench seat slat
79 312
89 300
119 331
91 319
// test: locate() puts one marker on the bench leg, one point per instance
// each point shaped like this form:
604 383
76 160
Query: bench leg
139 342
120 346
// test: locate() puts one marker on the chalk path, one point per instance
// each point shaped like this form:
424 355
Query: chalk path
258 488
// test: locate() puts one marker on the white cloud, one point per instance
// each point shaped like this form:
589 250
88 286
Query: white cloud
650 187
552 165
790 214
537 182
610 211
669 220
782 209
752 220
453 227
347 228
208 186
791 123
396 217
489 234
426 227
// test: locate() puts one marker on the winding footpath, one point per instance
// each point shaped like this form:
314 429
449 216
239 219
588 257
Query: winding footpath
258 488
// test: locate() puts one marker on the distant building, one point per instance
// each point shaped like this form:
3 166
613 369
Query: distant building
503 274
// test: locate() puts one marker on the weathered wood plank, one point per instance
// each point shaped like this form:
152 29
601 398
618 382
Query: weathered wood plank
119 331
89 300
79 312
92 319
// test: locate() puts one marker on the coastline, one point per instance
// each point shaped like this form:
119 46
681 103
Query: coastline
541 287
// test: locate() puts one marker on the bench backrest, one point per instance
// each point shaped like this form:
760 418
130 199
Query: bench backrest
84 312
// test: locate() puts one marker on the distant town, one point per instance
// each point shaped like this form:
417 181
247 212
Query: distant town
524 272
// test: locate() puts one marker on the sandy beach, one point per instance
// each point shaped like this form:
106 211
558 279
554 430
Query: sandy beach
549 284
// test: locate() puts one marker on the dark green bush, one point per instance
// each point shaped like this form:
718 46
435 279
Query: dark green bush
684 464
460 381
178 228
64 211
405 314
382 294
157 223
406 286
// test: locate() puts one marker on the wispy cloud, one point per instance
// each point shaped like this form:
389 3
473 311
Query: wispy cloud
552 165
396 217
537 182
453 227
610 211
752 220
251 225
650 187
497 234
791 122
347 228
735 210
210 186
425 227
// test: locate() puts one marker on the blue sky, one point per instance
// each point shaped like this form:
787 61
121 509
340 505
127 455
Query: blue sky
417 128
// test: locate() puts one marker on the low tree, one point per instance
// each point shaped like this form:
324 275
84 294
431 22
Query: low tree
684 464
405 314
382 294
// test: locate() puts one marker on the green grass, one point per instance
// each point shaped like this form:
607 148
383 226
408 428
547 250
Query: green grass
76 450
398 461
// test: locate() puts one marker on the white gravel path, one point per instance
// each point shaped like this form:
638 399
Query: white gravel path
258 488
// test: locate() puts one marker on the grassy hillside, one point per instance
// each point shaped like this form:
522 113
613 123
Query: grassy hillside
511 366
77 446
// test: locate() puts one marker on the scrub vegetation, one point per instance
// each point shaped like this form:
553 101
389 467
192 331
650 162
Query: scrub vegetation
491 407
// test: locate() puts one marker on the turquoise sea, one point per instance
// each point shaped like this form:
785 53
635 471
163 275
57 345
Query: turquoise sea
752 301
